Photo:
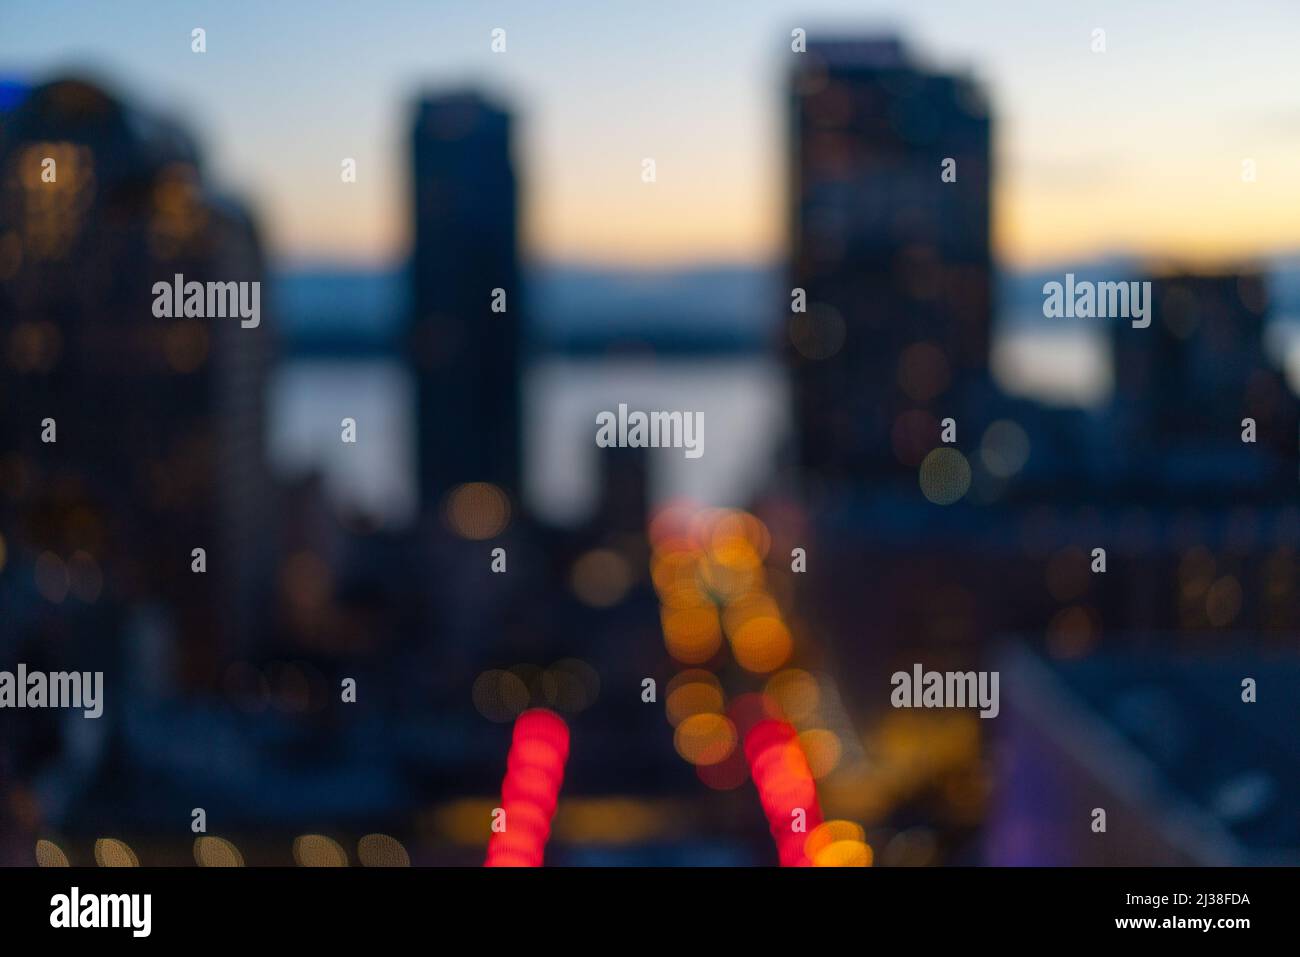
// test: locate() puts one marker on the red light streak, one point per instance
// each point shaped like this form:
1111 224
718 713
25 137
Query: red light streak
531 789
785 784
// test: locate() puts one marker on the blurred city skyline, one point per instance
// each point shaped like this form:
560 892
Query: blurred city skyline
356 469
1146 160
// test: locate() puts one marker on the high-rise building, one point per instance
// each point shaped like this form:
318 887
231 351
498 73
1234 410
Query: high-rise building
156 423
1185 385
889 220
466 296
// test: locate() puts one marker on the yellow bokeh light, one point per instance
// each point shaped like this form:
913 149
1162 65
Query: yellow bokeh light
705 738
110 852
692 635
828 832
676 577
49 854
317 850
461 822
212 851
843 854
615 820
692 698
738 542
745 607
823 750
762 644
796 692
729 582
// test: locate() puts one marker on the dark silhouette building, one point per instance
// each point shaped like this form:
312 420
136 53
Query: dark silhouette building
1184 385
157 421
465 260
894 260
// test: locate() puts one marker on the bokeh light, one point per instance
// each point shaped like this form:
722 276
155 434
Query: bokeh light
211 851
600 578
692 692
822 749
51 577
111 852
796 692
1004 449
318 850
692 635
570 685
500 696
945 476
381 850
838 844
705 738
49 854
762 644
477 510
819 332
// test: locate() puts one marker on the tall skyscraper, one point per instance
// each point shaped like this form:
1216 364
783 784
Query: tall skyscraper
889 219
465 262
127 440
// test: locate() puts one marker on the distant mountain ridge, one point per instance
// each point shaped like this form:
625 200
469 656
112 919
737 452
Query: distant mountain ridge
737 302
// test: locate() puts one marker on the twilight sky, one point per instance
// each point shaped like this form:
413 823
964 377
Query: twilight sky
1138 149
